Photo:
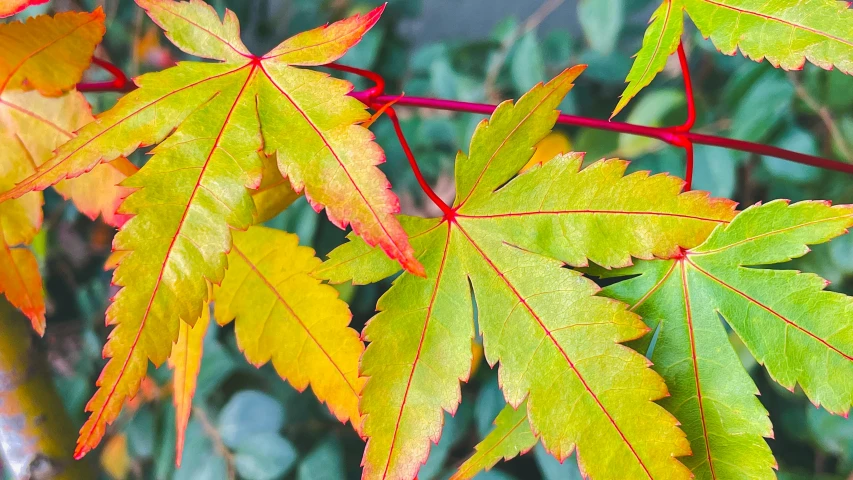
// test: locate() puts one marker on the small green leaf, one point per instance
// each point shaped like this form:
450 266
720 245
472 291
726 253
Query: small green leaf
715 170
140 433
201 461
490 402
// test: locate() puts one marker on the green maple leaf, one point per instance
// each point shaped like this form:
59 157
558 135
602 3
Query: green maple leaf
786 33
212 123
557 342
802 334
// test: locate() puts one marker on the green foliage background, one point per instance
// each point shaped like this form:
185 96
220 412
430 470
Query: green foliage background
254 423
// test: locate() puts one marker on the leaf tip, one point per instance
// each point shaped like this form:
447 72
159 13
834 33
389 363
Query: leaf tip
415 268
81 451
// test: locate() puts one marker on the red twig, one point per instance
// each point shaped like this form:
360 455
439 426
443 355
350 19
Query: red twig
688 91
392 115
119 83
688 168
371 93
670 135
370 97
685 127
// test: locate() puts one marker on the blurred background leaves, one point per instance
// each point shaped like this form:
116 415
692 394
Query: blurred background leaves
249 424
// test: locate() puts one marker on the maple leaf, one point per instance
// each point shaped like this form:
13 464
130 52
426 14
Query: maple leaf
11 7
285 315
512 436
49 54
267 99
31 127
195 189
801 333
509 236
785 33
186 363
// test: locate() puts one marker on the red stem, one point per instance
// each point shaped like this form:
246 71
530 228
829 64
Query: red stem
392 115
688 90
119 83
371 93
691 118
667 134
688 168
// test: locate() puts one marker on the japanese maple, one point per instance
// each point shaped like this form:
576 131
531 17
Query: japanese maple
514 257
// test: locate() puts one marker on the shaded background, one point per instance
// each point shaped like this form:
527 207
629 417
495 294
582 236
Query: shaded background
248 423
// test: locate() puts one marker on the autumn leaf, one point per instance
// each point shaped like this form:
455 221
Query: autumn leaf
511 437
801 333
49 54
186 363
786 33
11 7
265 98
509 235
285 315
31 127
195 189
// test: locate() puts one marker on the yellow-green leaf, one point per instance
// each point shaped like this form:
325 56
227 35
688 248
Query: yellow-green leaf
285 315
801 333
211 122
266 98
785 32
557 342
